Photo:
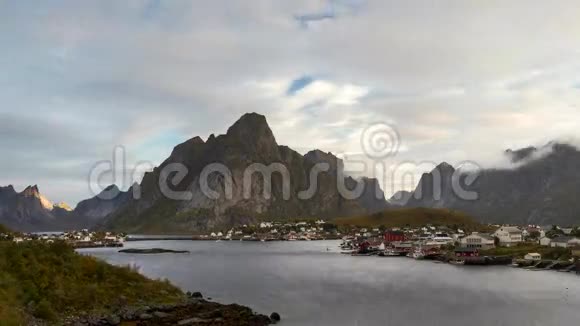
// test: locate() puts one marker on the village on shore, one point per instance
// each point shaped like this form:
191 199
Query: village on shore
532 247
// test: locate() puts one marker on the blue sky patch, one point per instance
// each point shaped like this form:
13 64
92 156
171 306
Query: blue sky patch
299 83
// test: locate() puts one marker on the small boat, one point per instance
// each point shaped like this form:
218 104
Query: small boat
418 254
457 262
389 253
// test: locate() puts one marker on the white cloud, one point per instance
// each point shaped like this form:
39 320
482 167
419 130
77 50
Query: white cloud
459 80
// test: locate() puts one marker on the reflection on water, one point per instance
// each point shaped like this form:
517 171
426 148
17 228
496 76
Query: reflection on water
310 283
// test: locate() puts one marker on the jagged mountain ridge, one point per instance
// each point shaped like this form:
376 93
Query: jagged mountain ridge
541 191
248 141
29 210
105 203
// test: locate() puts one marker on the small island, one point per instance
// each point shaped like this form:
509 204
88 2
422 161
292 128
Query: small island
152 251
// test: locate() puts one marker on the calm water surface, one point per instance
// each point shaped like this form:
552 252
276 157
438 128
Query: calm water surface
311 283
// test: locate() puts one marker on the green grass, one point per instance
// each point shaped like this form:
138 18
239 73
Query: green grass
523 249
412 217
50 281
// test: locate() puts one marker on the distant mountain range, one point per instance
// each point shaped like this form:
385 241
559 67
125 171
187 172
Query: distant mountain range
249 141
29 210
540 188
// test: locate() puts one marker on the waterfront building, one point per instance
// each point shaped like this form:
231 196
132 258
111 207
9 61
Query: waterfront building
478 240
534 256
395 236
565 242
509 236
545 241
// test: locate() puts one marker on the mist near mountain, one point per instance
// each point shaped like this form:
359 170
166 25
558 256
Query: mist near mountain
540 188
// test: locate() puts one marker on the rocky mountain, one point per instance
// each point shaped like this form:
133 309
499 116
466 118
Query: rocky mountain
543 190
248 142
105 203
400 198
30 211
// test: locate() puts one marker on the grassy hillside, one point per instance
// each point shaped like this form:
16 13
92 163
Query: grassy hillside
50 281
412 217
522 249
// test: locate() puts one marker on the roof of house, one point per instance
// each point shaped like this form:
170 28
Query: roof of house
510 229
564 239
482 235
395 232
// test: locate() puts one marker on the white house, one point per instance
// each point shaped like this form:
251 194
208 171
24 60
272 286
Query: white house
533 256
443 238
567 231
565 242
509 235
545 241
478 240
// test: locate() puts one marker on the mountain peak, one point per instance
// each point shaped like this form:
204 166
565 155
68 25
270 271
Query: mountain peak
196 140
445 167
64 206
31 191
112 187
250 123
9 189
254 135
521 154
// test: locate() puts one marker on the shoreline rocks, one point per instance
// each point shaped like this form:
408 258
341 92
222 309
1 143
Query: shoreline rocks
193 311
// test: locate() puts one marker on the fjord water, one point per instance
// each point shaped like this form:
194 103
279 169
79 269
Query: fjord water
311 283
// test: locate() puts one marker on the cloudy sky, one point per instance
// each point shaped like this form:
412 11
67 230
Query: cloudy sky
459 80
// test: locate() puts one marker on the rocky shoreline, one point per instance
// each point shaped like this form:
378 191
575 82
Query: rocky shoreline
194 311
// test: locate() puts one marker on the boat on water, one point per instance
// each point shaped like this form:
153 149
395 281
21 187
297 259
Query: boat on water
389 252
416 254
457 262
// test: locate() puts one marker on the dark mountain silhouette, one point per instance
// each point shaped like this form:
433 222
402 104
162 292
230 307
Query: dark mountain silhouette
30 211
249 141
541 191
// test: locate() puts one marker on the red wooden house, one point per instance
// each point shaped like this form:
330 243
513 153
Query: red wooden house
395 236
466 252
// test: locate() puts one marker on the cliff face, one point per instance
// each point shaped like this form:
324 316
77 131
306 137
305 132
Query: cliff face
542 189
102 205
30 211
248 142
